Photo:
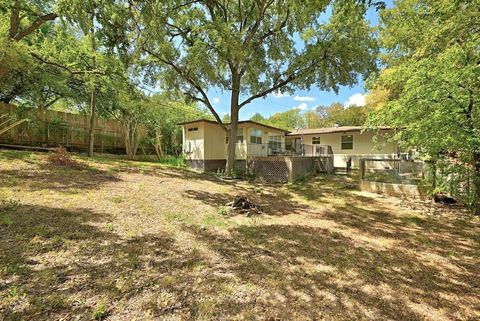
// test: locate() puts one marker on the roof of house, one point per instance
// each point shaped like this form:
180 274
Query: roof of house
240 122
329 130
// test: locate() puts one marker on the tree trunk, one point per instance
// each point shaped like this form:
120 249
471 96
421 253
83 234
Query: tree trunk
44 124
93 100
133 134
476 182
126 136
93 111
232 131
14 19
158 144
434 173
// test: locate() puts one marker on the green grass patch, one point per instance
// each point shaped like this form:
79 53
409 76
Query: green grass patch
100 312
167 160
16 154
214 220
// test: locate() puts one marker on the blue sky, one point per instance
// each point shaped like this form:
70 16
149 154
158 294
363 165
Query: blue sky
303 100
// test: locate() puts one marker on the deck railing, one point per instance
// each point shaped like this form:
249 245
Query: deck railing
281 149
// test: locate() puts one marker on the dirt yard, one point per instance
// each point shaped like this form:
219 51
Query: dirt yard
118 240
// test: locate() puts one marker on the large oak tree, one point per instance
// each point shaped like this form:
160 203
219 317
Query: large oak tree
251 48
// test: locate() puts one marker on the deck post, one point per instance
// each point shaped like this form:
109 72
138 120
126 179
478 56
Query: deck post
362 168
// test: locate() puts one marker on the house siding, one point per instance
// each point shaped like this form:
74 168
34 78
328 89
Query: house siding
194 142
209 143
215 147
364 146
261 150
214 165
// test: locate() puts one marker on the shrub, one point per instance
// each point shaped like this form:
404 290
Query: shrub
99 312
235 173
176 161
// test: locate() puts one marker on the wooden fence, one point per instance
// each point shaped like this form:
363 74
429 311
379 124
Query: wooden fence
53 128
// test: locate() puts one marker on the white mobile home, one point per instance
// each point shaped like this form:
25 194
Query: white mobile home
344 142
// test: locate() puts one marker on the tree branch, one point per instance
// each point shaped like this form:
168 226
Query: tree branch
253 29
73 72
14 20
53 101
192 82
293 76
268 91
259 42
34 26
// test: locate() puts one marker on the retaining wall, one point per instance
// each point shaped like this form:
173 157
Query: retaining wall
398 190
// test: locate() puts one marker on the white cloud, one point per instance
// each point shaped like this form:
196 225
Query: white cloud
216 100
278 94
224 113
302 106
356 99
303 98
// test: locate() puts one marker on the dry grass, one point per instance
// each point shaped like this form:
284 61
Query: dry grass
116 240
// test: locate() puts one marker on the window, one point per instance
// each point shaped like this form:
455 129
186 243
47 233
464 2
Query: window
275 142
239 136
315 140
347 142
193 129
288 146
256 136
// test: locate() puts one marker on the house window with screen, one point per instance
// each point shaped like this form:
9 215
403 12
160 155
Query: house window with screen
316 140
256 136
193 129
347 142
275 142
239 136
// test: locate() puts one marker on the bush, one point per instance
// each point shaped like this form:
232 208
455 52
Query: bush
235 173
100 312
453 178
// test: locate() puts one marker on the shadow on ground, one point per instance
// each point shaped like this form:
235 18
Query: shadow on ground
354 260
58 264
54 177
274 203
317 273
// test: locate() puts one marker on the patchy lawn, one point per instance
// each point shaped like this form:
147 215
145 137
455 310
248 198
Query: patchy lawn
117 240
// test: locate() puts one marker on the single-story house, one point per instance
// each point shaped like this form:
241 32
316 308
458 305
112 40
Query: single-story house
205 144
344 142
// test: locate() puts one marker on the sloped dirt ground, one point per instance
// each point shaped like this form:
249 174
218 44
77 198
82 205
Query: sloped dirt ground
118 240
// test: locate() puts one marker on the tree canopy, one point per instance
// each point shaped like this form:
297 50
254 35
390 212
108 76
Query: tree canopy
321 116
253 48
432 77
74 55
